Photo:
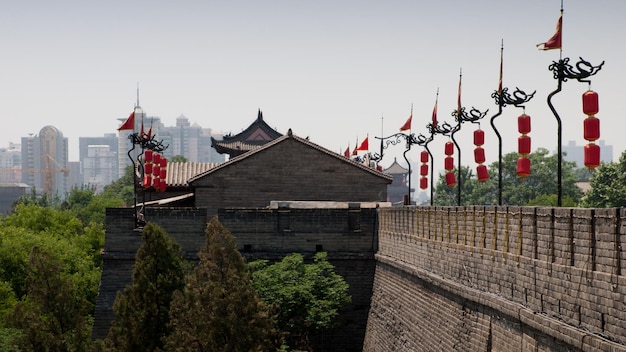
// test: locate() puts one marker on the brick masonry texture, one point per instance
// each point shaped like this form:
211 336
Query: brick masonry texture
289 170
498 279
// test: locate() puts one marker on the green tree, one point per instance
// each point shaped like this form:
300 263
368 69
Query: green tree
219 309
142 308
309 296
52 317
178 159
89 207
539 188
122 188
608 185
44 200
60 234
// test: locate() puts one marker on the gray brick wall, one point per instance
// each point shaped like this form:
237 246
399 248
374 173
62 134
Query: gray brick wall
289 170
498 278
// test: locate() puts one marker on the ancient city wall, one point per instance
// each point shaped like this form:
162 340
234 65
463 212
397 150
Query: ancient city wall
347 234
499 278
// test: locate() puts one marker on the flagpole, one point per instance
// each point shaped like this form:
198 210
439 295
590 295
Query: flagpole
503 98
563 71
463 116
561 48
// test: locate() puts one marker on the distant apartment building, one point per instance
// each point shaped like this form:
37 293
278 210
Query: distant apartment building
576 153
99 167
190 141
11 164
45 162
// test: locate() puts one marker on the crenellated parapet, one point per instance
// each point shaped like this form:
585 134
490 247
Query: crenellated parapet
529 277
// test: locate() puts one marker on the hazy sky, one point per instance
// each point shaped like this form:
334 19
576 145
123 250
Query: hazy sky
329 70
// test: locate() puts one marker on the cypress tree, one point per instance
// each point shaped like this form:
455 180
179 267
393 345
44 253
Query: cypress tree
142 308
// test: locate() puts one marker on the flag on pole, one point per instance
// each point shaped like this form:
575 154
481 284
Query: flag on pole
435 110
407 124
129 124
364 145
458 109
555 41
501 60
346 153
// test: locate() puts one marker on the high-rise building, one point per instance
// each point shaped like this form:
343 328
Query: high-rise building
99 167
191 141
110 140
576 153
188 140
45 162
11 164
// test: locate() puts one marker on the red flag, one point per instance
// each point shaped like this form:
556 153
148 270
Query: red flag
555 41
354 152
435 109
129 124
458 110
141 133
346 153
407 124
149 134
500 81
364 145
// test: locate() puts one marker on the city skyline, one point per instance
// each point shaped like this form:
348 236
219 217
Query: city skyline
332 71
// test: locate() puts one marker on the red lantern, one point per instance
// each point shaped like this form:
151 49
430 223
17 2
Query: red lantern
156 171
479 137
591 126
147 168
163 186
523 167
163 162
592 155
523 124
156 183
590 103
448 163
423 182
523 145
424 156
147 155
450 179
479 155
163 173
482 173
147 181
156 158
449 148
424 170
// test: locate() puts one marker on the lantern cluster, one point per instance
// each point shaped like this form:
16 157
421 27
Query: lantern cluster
523 145
591 127
479 156
424 169
154 168
449 164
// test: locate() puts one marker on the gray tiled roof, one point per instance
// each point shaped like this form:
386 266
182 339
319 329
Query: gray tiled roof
178 173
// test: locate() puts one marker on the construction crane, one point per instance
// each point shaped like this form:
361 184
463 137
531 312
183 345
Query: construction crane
47 173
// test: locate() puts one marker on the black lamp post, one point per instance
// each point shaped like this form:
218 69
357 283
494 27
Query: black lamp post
144 142
394 139
434 129
463 116
503 98
562 71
